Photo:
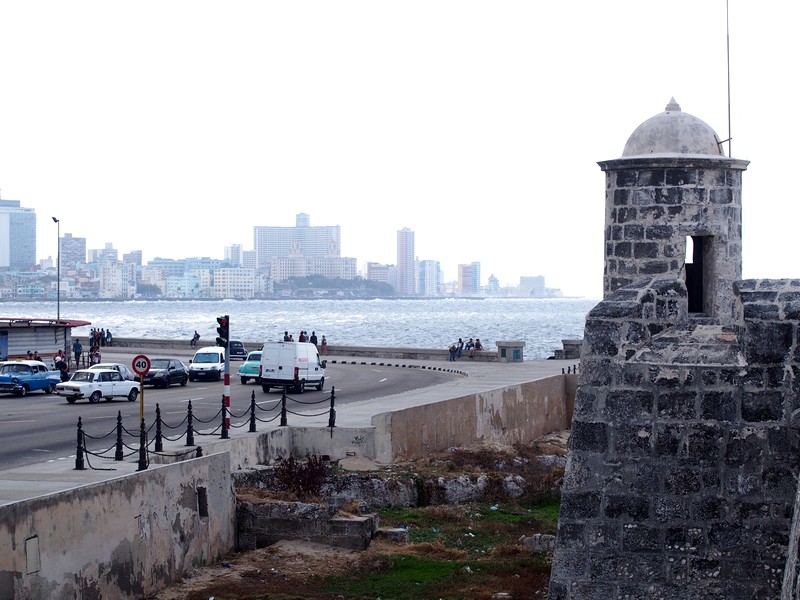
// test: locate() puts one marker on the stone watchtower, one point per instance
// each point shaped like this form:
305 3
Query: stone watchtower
683 458
674 208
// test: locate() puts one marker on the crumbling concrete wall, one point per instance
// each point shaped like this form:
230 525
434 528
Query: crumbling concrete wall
513 414
123 538
683 463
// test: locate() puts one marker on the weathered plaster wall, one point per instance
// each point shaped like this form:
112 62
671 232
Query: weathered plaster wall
121 539
518 413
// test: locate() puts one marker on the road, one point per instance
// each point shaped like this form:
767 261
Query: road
42 427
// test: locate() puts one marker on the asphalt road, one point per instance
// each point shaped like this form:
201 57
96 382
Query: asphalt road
41 427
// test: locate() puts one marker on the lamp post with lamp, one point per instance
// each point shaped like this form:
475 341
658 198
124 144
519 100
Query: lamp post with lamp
58 271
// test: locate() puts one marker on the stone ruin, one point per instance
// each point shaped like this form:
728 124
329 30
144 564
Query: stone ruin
681 476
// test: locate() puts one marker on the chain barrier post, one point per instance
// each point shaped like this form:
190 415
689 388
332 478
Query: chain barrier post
199 452
119 454
252 411
79 453
189 427
332 415
225 420
283 409
159 439
142 448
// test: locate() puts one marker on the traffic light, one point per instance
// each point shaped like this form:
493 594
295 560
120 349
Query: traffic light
223 331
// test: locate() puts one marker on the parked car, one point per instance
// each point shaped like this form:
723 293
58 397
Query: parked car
126 373
251 367
166 371
97 383
22 376
236 350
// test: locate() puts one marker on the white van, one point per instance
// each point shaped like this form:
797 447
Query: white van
291 365
207 363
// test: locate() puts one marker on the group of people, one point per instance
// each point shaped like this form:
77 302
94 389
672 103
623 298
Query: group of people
100 337
470 347
311 339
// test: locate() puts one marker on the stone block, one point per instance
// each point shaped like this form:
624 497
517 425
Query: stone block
584 505
762 406
628 405
767 342
682 481
628 507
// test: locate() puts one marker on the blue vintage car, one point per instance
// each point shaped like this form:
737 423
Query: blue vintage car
22 376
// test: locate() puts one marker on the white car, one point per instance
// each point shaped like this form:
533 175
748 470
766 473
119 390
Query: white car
97 383
123 370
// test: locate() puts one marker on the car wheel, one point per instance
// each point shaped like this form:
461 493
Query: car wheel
95 397
50 388
266 388
321 384
184 380
71 399
300 387
219 375
133 395
23 391
244 380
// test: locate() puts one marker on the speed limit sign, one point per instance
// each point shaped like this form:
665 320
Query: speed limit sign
141 364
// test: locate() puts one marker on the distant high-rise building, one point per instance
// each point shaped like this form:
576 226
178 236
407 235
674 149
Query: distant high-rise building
134 257
405 262
532 286
430 278
469 279
233 253
301 240
104 255
72 251
17 235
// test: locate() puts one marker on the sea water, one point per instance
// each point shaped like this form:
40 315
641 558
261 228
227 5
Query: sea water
408 323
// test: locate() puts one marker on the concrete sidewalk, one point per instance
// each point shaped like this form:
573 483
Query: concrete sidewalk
58 475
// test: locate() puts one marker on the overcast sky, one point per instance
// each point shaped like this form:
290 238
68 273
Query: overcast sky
174 127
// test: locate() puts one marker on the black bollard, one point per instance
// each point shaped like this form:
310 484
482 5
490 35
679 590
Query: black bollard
252 411
224 435
189 427
284 422
79 453
332 414
119 454
159 438
199 452
142 448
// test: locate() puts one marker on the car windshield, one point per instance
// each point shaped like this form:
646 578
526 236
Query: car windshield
83 376
206 357
159 363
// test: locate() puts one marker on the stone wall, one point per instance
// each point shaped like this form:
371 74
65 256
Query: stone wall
682 469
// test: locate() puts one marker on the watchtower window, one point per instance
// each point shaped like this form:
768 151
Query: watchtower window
699 274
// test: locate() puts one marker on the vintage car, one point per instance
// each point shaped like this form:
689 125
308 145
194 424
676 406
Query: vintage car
97 383
123 370
251 368
22 376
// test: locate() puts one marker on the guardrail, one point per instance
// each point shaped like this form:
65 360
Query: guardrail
187 426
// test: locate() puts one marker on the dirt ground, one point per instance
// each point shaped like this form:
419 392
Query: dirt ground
290 569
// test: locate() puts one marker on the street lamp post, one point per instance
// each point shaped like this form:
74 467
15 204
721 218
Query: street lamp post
58 271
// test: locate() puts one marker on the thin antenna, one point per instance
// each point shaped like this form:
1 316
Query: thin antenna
728 41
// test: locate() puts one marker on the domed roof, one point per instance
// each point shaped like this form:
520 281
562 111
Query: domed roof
673 132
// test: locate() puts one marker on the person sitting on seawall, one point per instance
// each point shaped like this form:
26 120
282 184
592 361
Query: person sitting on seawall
470 348
324 346
452 350
459 347
478 346
193 341
313 338
109 337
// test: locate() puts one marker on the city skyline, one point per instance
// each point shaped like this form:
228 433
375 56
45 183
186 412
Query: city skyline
174 128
